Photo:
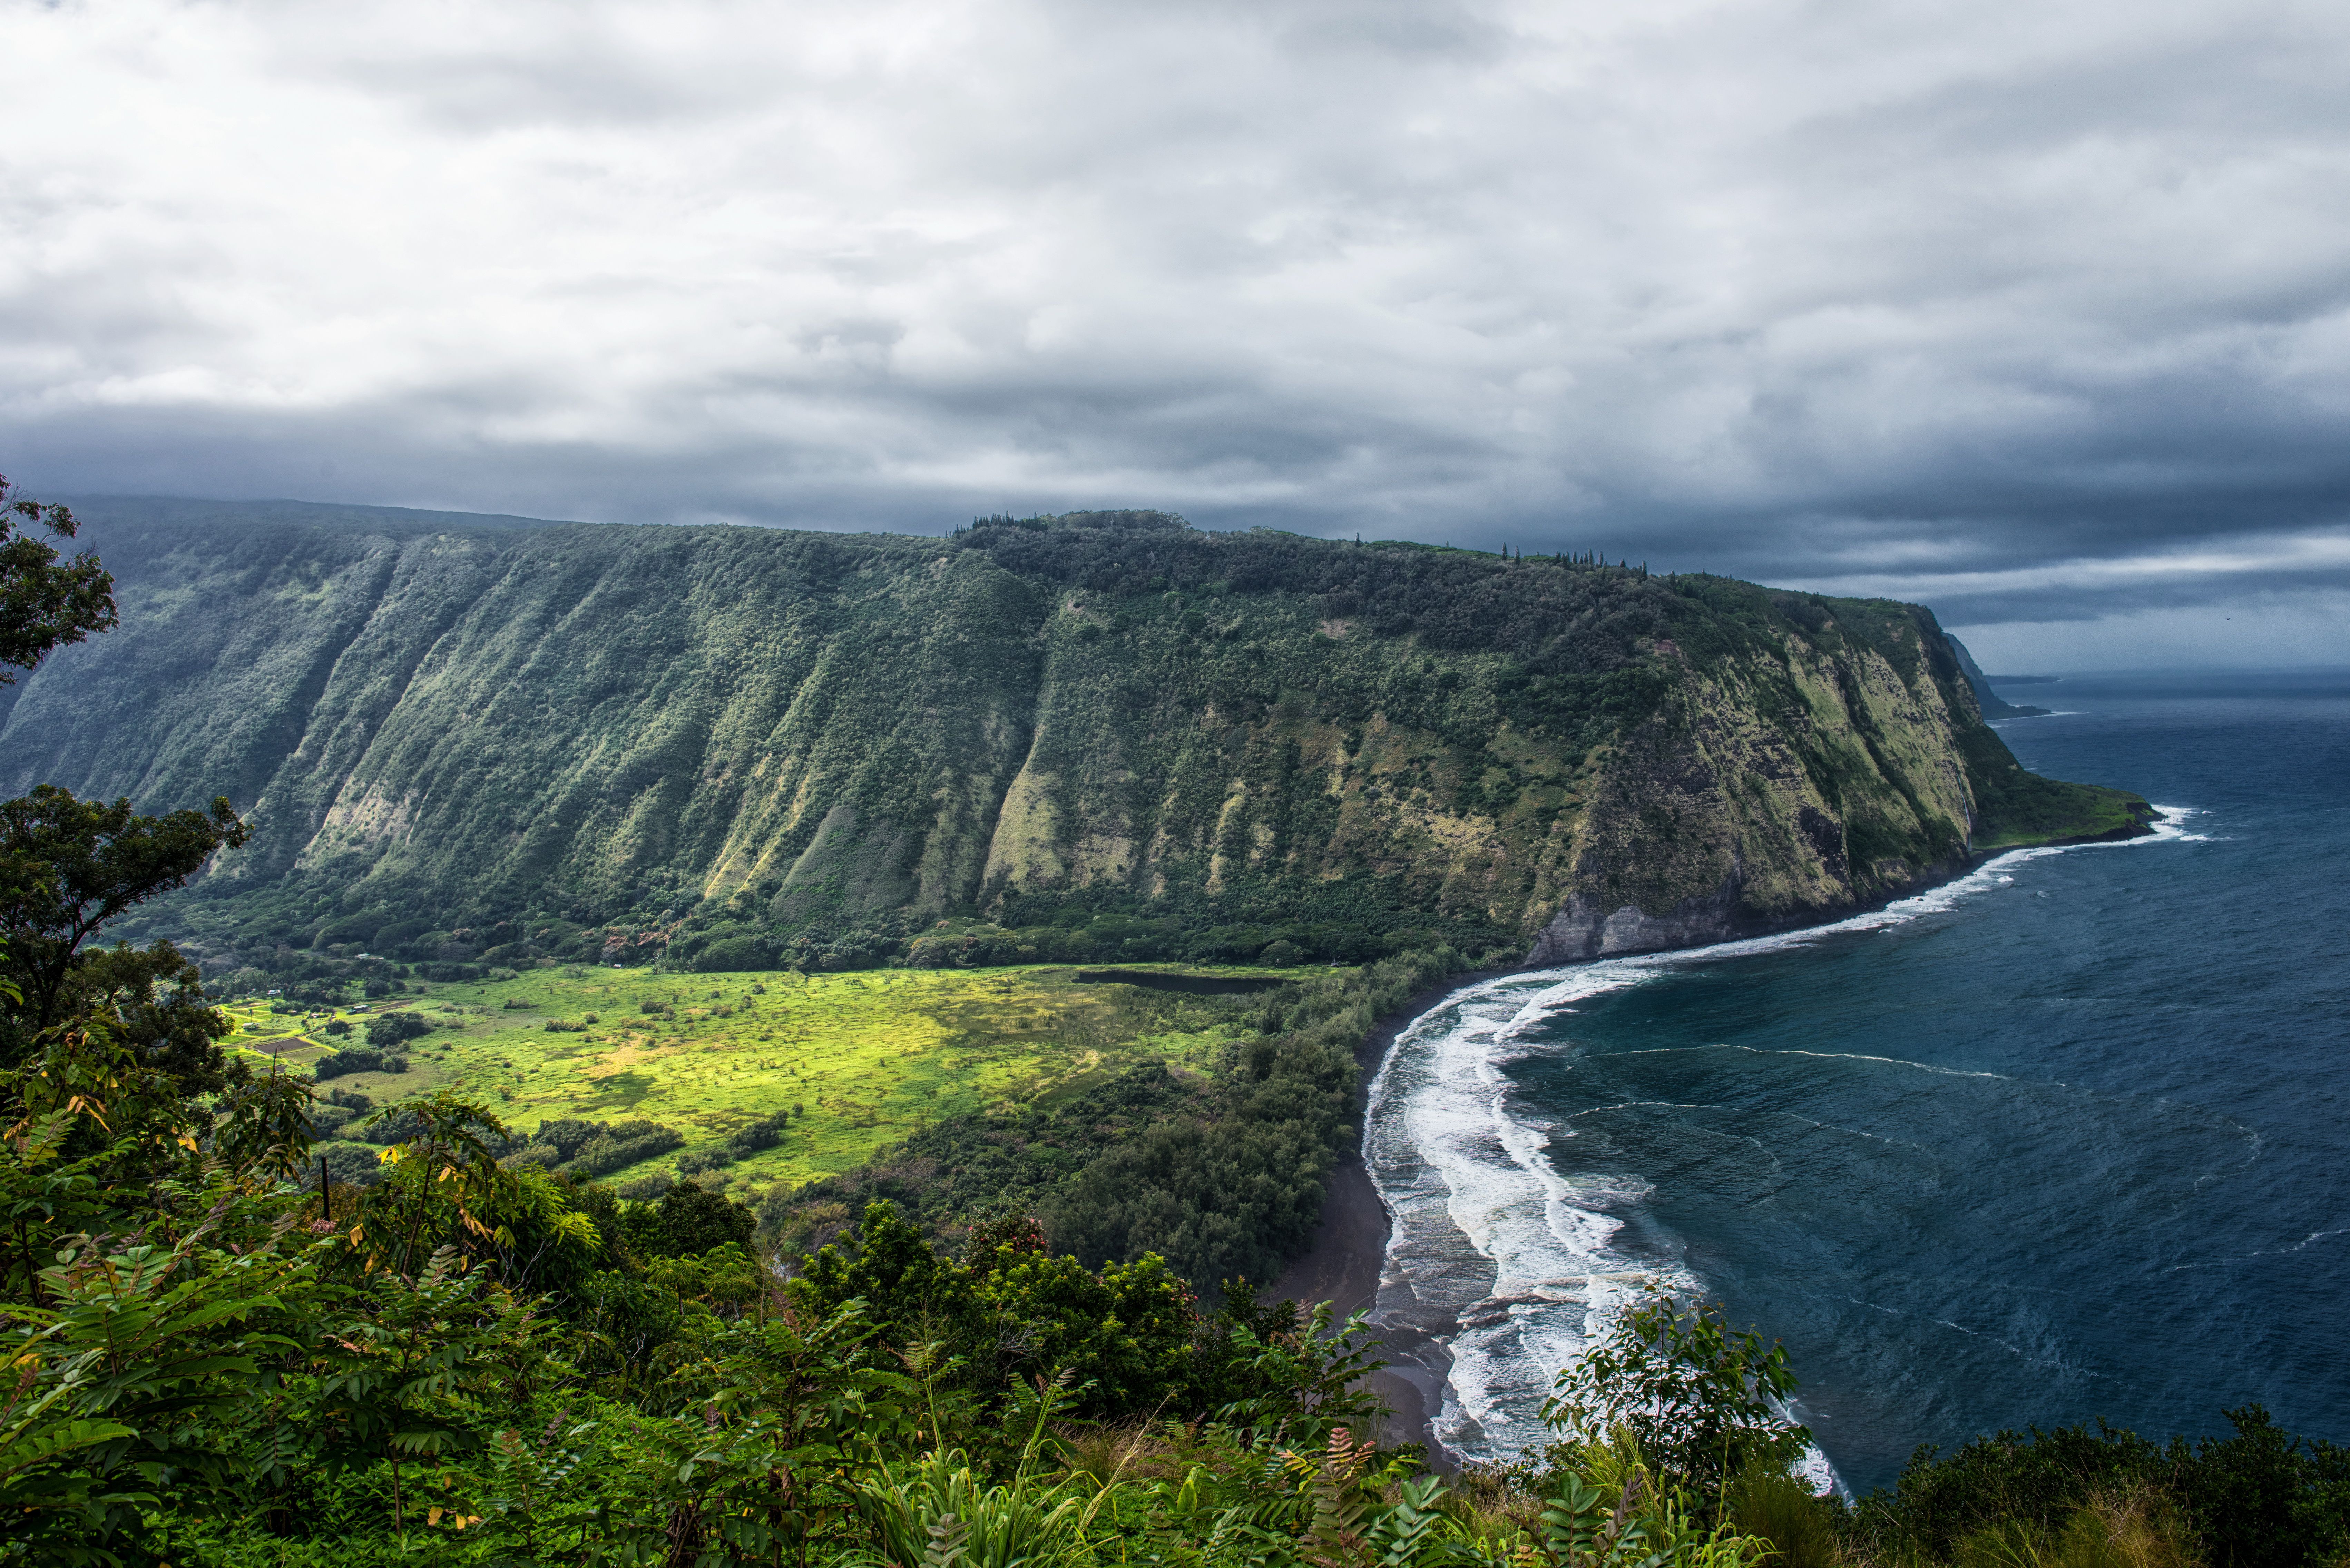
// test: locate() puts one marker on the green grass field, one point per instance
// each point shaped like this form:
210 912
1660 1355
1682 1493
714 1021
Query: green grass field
866 1057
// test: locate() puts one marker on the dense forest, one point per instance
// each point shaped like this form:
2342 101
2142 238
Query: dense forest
1107 735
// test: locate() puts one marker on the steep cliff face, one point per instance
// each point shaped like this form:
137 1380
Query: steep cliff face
1814 774
1717 829
437 726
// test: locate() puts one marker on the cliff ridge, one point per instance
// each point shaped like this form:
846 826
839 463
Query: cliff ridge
733 744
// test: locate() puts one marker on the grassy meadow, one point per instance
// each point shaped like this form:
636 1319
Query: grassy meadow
863 1057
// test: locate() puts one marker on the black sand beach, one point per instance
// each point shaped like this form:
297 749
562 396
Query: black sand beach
1342 1266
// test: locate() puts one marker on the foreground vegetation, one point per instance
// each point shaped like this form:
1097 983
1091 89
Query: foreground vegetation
468 1364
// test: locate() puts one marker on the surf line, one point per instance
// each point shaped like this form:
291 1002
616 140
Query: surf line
1498 1270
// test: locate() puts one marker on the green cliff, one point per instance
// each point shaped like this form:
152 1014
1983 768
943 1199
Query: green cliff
458 737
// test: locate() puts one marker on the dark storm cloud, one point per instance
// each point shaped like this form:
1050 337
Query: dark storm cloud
2037 313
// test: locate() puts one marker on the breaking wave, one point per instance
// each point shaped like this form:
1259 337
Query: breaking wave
1513 1266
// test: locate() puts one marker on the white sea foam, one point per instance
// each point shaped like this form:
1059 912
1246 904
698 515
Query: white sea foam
2172 829
1517 1268
1488 1239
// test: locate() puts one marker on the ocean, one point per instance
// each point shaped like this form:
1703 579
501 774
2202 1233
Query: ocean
2062 1140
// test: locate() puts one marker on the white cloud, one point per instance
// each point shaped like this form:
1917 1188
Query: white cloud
1955 295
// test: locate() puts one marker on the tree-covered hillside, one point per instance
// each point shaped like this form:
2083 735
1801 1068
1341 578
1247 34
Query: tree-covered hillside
1101 734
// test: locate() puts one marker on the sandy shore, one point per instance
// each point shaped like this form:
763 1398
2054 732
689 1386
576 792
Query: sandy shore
1350 1246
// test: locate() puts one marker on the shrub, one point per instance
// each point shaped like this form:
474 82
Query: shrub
688 1221
629 1318
394 1028
357 1059
325 1120
765 1133
2258 1495
1799 1524
645 1188
617 1147
569 1134
737 953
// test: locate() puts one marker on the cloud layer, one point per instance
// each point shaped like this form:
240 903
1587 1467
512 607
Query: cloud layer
2035 312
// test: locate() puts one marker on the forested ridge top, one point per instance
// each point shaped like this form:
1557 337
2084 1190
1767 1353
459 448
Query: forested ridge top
1097 734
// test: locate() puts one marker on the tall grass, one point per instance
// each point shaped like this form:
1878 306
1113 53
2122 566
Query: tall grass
1800 1525
2133 1530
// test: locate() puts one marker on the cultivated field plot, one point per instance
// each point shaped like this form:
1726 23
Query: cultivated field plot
861 1058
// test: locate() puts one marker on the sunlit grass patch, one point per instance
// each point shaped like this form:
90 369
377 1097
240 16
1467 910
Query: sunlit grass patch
860 1059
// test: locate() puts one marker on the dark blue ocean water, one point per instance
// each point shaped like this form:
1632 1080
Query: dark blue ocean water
2069 1141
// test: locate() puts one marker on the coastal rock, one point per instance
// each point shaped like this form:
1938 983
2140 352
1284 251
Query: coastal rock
1583 929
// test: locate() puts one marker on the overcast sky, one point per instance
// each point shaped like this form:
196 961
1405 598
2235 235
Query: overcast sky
2039 314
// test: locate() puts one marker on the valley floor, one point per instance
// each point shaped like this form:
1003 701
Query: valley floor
862 1058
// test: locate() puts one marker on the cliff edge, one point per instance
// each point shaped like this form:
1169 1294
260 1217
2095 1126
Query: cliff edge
743 746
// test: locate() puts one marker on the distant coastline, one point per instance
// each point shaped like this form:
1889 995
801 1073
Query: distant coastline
1344 1262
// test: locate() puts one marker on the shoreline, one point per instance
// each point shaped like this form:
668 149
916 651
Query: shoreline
1343 1264
1350 1249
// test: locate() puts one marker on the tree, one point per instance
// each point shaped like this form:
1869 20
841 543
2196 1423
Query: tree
892 1269
1124 1335
154 999
390 1029
1699 1401
690 1222
44 604
67 867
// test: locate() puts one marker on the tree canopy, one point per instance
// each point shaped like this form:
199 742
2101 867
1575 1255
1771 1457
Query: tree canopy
67 866
46 600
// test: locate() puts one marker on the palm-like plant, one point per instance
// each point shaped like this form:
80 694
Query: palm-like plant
1615 1513
938 1511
